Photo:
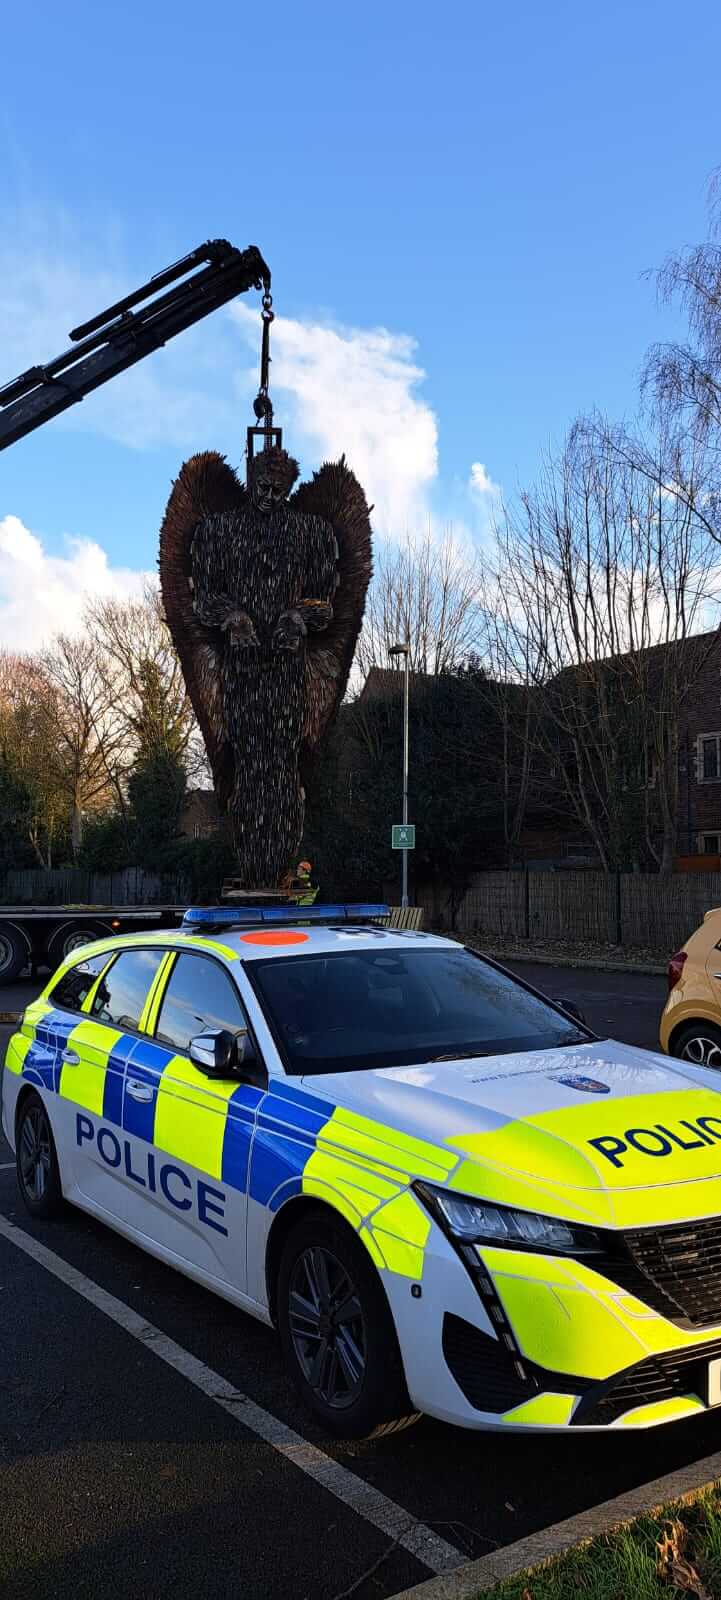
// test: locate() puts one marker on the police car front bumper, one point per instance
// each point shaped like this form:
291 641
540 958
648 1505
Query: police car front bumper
502 1338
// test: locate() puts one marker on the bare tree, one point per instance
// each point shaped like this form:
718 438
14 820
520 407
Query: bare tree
142 670
682 379
508 708
86 728
27 748
604 581
425 592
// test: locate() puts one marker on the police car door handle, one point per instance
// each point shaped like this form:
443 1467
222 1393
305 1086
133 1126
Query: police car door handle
71 1058
139 1091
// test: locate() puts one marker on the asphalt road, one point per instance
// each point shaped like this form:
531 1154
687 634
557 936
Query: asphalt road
121 1475
615 1006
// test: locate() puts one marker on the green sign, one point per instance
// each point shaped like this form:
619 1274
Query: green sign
404 836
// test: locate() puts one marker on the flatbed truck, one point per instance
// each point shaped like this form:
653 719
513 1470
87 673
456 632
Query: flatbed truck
42 936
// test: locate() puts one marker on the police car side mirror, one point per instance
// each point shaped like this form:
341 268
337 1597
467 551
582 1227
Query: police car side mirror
573 1010
215 1053
228 1055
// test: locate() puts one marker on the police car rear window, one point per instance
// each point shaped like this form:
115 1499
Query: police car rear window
122 992
74 987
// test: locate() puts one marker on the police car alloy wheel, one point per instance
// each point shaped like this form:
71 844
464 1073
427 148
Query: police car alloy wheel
37 1162
327 1327
337 1331
699 1043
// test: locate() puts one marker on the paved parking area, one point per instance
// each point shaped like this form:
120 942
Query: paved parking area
615 1006
175 1460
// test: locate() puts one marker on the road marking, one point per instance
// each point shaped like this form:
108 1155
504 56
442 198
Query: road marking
6 1165
384 1514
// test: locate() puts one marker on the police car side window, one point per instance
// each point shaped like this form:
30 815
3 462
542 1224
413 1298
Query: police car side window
123 990
200 998
74 986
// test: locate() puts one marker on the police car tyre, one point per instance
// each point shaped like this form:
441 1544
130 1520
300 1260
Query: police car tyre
14 953
700 1043
337 1332
36 1160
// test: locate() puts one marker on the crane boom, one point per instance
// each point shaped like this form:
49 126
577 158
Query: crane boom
115 339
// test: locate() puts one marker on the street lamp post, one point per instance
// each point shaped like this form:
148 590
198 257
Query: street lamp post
405 651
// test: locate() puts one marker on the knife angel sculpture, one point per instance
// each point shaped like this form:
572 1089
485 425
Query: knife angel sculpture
264 592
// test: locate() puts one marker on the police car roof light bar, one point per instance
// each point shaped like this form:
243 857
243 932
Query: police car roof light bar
252 916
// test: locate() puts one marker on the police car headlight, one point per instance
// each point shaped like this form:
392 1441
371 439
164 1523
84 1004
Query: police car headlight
470 1221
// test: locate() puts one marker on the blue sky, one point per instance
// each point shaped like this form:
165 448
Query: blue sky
458 205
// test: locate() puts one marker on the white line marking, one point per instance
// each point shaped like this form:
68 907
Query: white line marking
391 1519
6 1165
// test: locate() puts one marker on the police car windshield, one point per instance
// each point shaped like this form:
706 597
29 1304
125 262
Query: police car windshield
390 1008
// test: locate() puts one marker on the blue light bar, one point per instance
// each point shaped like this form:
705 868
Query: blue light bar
253 916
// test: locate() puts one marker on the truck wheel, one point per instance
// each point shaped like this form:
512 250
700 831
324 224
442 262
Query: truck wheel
36 1160
337 1331
70 938
14 953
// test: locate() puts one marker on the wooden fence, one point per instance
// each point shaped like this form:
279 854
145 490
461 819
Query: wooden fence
637 910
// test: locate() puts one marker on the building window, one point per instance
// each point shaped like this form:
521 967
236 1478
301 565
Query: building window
708 766
710 843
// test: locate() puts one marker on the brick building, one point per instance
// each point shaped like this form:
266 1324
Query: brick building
559 842
551 836
699 819
200 817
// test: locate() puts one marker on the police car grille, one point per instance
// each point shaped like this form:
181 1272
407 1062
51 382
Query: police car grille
681 1269
482 1367
678 1373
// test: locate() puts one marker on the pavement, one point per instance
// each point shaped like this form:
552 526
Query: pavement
16 996
151 1442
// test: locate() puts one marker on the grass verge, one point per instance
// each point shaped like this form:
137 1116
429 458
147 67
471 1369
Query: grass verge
674 1552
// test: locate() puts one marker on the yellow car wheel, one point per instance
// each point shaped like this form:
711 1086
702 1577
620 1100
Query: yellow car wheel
699 1043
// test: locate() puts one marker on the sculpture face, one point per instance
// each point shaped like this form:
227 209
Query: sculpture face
274 473
267 494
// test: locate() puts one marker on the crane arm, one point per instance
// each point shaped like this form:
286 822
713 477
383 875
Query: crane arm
114 340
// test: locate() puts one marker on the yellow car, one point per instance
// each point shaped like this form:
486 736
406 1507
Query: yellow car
691 1021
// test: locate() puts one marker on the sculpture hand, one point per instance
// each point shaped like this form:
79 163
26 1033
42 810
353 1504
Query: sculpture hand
219 611
241 629
316 614
290 631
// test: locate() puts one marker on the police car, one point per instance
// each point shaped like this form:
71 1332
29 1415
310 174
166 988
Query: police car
444 1192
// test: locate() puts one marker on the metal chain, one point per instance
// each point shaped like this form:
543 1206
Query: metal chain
262 405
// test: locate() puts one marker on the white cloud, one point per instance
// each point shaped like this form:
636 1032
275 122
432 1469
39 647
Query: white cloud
357 391
42 594
481 482
354 391
337 389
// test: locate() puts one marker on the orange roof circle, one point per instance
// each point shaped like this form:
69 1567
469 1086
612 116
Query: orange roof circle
288 936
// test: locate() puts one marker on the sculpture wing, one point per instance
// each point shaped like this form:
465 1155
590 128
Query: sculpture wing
335 494
204 485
